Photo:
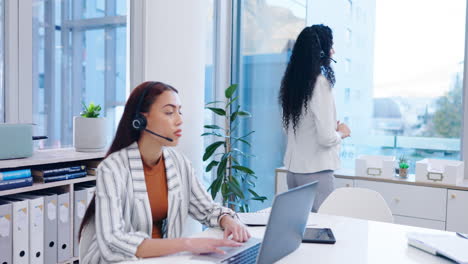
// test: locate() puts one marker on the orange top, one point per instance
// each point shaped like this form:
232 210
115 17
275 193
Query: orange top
156 185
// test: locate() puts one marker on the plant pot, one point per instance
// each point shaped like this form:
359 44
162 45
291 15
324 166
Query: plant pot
89 134
403 173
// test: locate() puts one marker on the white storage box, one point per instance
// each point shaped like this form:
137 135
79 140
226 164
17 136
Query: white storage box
440 171
375 166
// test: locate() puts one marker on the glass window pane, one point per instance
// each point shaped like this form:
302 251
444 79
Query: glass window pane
209 74
88 8
75 61
2 38
401 81
267 32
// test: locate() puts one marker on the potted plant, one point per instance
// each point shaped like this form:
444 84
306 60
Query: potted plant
89 130
403 167
234 180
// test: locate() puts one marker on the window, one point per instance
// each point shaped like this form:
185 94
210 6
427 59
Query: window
264 40
79 55
410 78
347 94
348 37
349 8
2 48
210 93
347 65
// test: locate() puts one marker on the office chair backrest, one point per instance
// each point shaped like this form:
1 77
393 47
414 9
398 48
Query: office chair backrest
357 203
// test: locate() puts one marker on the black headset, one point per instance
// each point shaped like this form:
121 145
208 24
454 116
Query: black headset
139 121
322 53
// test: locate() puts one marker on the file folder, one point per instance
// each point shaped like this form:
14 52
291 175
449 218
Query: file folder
63 227
80 205
50 226
6 232
20 230
36 227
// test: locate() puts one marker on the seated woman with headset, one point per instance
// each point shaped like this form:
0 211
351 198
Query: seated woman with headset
145 190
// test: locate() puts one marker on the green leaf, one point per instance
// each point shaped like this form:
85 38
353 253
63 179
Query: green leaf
218 111
91 111
232 101
212 134
235 161
224 190
243 141
251 183
248 134
211 165
214 187
212 127
253 193
235 188
260 198
241 153
214 102
256 196
244 169
244 114
234 114
221 171
230 90
211 149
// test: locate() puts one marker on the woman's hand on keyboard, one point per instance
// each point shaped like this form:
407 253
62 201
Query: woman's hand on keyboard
208 245
235 228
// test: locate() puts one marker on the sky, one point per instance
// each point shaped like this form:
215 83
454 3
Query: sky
419 45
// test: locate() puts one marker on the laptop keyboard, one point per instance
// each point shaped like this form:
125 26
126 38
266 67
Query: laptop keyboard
244 257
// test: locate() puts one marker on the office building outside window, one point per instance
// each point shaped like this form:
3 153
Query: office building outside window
79 55
2 61
409 73
265 37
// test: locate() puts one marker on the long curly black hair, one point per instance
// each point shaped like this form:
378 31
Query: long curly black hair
310 57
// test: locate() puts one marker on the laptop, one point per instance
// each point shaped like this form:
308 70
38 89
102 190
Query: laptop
283 234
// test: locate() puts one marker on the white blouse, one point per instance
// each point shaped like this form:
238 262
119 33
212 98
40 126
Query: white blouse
316 144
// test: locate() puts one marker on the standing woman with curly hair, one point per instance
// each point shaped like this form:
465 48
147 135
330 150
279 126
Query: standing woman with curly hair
309 114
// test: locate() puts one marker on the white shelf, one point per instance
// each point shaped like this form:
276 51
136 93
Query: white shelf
49 156
39 186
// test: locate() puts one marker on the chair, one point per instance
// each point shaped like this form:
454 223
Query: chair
86 238
357 203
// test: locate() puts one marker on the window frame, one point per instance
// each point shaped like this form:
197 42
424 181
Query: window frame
18 49
18 37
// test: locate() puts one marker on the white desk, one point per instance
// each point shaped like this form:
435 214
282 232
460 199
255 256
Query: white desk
357 241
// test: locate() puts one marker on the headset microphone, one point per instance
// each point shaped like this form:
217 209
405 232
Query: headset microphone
139 121
156 134
333 60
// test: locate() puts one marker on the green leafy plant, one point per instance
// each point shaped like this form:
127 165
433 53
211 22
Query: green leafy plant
234 180
91 111
403 162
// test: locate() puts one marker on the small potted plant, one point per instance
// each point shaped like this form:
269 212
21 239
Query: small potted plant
89 130
403 167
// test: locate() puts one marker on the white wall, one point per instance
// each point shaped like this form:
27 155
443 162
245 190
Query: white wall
175 33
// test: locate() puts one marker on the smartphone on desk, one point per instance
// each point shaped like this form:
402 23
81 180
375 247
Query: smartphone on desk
318 235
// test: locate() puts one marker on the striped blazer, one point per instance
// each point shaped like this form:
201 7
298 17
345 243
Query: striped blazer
123 214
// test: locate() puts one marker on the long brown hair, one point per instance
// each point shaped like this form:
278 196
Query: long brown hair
126 134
